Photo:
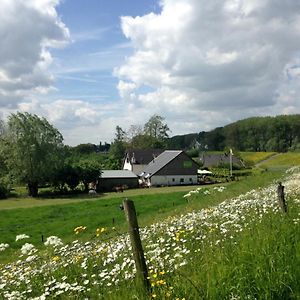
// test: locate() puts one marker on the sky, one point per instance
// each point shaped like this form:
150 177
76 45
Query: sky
90 65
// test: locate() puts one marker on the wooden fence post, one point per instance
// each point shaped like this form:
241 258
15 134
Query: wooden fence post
281 199
136 243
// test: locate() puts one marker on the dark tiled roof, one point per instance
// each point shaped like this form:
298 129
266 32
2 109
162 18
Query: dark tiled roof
143 156
159 162
210 160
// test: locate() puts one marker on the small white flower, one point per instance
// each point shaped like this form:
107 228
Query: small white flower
53 241
86 282
22 237
3 246
28 249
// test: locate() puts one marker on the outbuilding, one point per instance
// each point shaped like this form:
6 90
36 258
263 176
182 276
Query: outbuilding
117 180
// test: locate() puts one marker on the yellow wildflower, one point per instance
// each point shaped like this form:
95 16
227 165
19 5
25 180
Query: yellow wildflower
55 258
100 230
79 229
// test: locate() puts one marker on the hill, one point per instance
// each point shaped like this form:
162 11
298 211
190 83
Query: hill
279 134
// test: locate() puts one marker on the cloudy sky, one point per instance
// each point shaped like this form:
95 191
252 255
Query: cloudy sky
88 66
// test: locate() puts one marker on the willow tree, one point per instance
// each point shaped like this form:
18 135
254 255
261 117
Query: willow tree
33 150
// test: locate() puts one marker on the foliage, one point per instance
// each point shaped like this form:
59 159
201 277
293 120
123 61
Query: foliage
66 177
185 141
32 149
144 141
85 148
272 134
156 128
153 134
88 171
5 187
193 152
117 149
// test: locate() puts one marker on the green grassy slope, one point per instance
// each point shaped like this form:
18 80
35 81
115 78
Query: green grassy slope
60 220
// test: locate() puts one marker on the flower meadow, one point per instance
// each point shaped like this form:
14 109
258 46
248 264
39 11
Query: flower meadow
243 248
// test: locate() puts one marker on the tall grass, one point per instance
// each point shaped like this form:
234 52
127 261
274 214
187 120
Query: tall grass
256 157
282 161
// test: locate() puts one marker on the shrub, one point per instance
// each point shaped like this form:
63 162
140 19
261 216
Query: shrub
4 188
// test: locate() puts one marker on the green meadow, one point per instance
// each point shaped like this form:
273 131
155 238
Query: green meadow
151 204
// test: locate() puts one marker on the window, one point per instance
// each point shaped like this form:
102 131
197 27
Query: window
181 180
173 179
187 164
191 180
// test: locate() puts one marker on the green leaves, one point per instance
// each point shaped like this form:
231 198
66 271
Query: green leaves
32 149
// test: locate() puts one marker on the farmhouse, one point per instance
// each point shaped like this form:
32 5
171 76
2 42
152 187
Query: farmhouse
112 179
137 159
172 167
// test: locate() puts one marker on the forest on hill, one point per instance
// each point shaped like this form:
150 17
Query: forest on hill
280 134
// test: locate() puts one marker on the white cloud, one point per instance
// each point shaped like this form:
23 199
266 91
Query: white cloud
79 121
212 62
27 30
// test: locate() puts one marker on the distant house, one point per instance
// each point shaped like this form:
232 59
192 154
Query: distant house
137 159
171 167
112 179
215 160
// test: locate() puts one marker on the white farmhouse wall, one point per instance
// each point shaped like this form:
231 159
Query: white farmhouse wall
173 180
127 165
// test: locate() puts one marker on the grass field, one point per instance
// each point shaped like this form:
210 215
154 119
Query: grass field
282 161
24 201
242 248
153 205
256 157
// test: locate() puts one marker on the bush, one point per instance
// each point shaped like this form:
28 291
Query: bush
193 152
4 188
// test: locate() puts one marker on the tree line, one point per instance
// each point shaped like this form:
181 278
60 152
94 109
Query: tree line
278 134
32 153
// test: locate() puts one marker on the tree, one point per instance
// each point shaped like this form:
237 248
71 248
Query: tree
85 148
143 141
89 171
156 128
66 177
4 178
117 148
33 150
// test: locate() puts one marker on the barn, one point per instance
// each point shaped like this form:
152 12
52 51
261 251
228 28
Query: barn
110 179
172 167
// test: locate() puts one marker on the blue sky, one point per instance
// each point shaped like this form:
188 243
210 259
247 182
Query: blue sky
84 69
88 66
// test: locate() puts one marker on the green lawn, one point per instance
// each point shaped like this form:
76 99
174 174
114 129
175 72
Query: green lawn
153 205
26 202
